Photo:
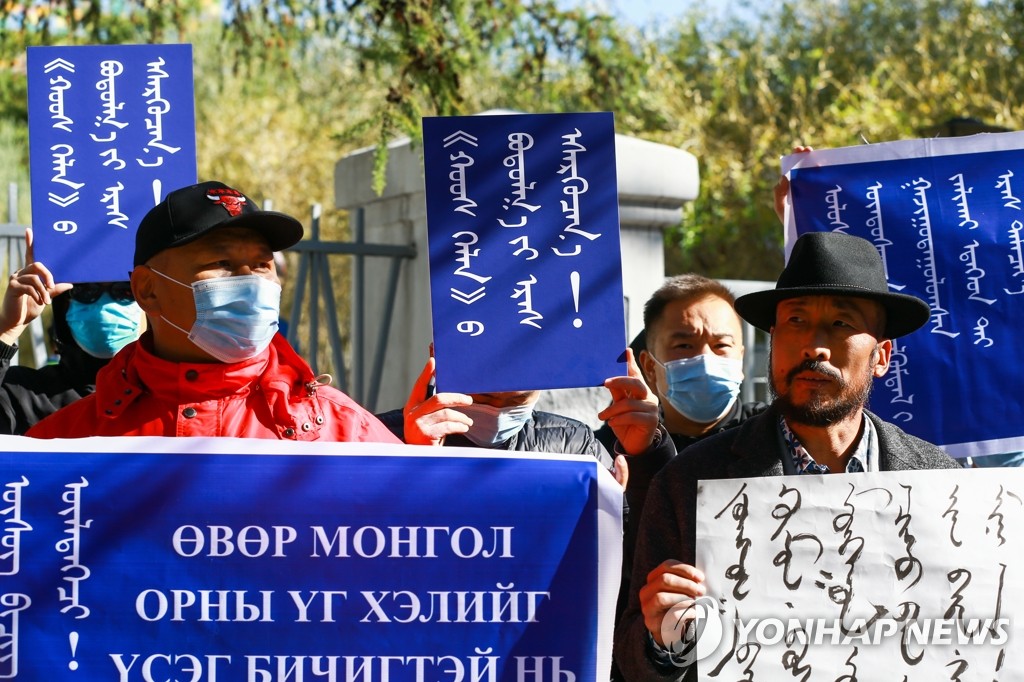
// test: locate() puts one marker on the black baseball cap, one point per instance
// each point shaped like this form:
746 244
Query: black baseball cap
190 212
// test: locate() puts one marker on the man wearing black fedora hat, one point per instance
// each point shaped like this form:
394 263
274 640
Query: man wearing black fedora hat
832 319
212 362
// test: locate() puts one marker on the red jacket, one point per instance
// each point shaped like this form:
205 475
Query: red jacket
272 395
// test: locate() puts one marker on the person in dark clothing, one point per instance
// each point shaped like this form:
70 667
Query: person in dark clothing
832 320
690 356
497 421
693 360
91 322
27 395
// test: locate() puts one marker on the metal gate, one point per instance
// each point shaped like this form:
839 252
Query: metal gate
313 284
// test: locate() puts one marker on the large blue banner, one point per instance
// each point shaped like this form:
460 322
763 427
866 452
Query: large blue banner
525 266
946 215
111 132
162 559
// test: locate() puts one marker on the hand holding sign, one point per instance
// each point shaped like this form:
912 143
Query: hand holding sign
670 584
29 289
781 189
428 419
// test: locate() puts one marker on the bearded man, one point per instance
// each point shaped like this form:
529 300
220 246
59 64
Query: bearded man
832 319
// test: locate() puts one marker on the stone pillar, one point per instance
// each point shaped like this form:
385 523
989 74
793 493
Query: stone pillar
654 181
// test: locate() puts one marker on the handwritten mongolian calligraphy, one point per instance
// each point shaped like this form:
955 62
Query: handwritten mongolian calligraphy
909 575
114 125
944 215
524 210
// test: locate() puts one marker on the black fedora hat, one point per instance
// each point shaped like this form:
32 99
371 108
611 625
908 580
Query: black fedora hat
188 213
835 264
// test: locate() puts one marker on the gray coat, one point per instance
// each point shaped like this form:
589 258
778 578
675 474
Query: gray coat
668 525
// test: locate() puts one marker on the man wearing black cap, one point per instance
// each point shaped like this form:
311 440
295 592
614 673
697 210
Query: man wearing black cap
212 363
832 319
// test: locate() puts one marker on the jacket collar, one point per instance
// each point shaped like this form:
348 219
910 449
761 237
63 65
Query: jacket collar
193 382
758 448
136 370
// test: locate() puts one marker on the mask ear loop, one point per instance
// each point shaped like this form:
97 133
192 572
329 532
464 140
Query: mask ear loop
168 277
318 381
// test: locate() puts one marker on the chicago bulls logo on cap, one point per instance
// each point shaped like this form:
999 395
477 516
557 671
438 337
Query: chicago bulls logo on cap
232 200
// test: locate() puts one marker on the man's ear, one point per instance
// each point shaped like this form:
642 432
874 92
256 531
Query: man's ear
143 281
881 363
647 366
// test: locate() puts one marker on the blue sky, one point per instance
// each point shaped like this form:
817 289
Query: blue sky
647 13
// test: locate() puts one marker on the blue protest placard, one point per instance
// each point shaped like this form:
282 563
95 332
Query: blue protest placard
156 558
525 265
946 217
111 132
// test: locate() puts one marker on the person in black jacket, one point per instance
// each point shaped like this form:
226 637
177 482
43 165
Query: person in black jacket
90 323
684 388
498 421
832 320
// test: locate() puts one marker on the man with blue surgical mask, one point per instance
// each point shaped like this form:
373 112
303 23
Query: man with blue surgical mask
212 362
693 365
91 322
102 317
694 356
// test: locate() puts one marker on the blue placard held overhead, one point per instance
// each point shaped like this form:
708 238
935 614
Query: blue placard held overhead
525 266
947 218
111 132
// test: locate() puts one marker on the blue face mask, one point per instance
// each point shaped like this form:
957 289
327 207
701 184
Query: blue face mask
105 326
236 317
493 425
702 388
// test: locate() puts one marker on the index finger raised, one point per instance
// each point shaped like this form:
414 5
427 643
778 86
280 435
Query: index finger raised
632 368
29 240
